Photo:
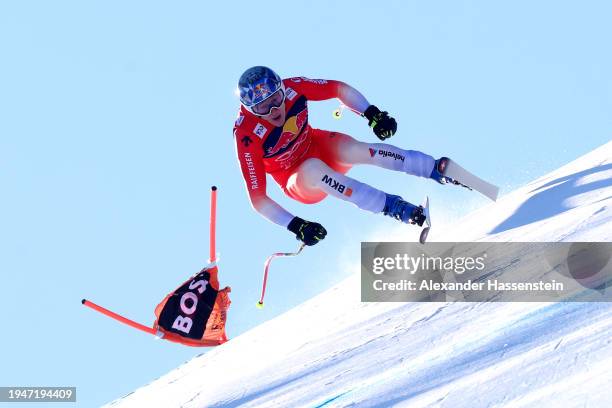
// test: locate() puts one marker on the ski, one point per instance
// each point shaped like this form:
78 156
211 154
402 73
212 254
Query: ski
425 231
470 180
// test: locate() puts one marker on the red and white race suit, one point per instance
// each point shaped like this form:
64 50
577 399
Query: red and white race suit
310 163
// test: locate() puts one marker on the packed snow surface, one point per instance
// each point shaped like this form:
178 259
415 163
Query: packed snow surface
336 351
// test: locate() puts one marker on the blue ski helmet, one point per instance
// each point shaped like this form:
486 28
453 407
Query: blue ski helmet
257 84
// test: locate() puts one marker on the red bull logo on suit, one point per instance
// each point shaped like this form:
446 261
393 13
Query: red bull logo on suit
291 130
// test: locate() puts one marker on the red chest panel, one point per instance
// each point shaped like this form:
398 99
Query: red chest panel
282 146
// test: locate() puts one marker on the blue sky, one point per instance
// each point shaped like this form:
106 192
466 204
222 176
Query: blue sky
116 117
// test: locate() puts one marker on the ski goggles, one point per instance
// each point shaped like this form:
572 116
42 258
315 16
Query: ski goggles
264 107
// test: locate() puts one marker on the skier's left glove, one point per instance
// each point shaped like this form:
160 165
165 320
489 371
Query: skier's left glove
308 232
384 126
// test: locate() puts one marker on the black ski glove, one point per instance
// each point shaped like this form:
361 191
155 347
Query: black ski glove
384 126
308 232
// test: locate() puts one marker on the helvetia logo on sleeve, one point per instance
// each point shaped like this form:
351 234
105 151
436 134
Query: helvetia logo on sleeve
386 153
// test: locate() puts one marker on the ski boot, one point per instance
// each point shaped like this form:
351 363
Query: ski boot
440 169
402 210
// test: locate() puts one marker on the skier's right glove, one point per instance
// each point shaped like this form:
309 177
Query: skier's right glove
383 125
308 232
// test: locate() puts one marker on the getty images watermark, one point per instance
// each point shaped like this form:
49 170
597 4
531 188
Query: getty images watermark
486 271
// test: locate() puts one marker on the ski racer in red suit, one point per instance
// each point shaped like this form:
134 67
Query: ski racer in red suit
273 136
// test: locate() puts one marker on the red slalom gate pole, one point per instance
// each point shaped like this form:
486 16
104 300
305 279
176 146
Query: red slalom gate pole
119 318
213 258
213 224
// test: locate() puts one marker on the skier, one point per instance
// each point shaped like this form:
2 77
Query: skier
273 136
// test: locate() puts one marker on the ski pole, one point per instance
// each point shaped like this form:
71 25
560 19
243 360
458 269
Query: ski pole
267 266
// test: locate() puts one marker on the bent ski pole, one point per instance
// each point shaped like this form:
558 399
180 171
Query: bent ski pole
267 266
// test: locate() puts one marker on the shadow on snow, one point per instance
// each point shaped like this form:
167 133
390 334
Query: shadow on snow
549 199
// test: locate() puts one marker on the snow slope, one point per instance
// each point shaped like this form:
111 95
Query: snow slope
335 351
